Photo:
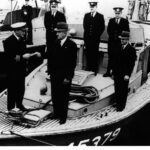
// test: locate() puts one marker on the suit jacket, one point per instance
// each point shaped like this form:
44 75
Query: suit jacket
50 22
114 30
13 47
27 17
125 61
93 27
63 58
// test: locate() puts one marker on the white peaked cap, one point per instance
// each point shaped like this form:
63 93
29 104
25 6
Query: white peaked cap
18 25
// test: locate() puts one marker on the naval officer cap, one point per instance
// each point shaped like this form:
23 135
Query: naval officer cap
54 1
93 3
61 26
18 26
118 9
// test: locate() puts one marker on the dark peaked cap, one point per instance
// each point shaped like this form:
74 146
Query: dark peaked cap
93 3
55 1
118 9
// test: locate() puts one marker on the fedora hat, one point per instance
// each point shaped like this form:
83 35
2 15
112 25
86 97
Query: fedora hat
61 26
125 35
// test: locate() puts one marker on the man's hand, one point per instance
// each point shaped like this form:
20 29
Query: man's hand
37 54
66 81
126 77
17 58
26 56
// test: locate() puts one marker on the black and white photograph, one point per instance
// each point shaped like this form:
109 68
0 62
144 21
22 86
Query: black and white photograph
74 73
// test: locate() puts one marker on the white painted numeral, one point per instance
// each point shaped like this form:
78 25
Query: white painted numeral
115 134
84 142
96 140
107 136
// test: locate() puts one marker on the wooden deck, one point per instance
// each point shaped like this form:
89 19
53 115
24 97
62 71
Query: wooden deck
105 116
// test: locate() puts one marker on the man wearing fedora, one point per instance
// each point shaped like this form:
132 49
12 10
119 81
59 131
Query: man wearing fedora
27 17
124 64
62 63
15 50
94 25
115 27
51 18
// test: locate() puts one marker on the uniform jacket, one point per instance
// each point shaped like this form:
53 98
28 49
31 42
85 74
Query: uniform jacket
27 17
50 21
93 26
13 47
114 30
125 61
63 58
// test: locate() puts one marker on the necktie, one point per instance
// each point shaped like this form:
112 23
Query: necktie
53 14
91 14
117 21
59 43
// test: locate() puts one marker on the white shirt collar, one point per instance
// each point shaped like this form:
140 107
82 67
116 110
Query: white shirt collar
124 46
16 36
94 13
54 13
63 41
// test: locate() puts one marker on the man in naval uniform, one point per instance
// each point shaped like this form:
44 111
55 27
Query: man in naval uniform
51 18
15 48
27 17
115 27
124 64
94 25
62 63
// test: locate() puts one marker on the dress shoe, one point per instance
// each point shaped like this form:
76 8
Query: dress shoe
62 121
107 75
29 43
119 109
22 108
52 116
95 73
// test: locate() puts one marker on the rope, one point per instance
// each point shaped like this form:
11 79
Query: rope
86 94
33 139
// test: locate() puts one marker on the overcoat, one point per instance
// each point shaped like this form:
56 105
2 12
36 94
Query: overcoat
62 63
124 65
93 29
16 71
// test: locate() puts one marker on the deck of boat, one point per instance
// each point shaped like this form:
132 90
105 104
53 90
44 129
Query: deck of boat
97 119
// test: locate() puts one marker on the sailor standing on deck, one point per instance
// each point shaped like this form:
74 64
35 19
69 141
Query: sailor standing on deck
115 27
124 63
15 50
62 63
51 18
94 25
27 17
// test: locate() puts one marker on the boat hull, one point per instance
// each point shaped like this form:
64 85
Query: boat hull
129 131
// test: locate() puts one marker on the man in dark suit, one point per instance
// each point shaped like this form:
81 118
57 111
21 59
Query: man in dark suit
15 48
124 64
62 63
94 25
27 17
51 18
115 27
